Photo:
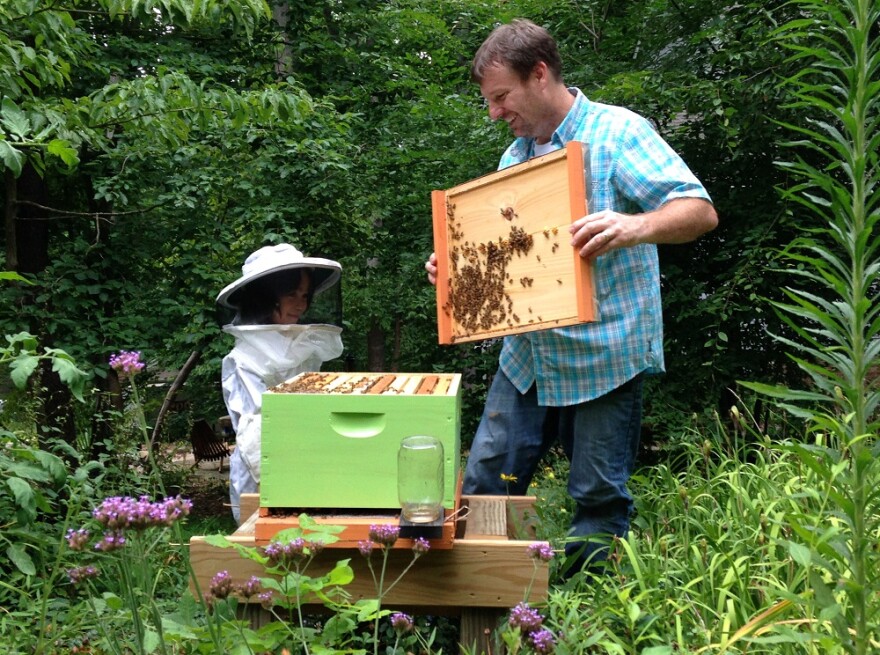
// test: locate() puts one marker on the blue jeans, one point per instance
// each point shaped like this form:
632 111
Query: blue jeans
600 438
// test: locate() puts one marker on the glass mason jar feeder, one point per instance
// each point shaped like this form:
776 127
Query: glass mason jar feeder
420 478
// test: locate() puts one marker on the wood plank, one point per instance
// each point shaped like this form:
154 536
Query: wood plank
338 380
398 384
579 190
426 388
382 384
248 505
357 529
505 265
439 213
486 518
477 631
443 386
474 573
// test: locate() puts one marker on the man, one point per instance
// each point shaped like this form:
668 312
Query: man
582 384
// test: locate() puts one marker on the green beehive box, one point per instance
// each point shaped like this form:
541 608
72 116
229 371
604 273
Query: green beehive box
330 440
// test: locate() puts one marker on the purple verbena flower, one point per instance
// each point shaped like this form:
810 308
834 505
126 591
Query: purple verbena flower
401 622
250 588
295 549
525 618
127 362
76 539
366 548
542 641
284 554
384 534
314 547
80 573
421 546
221 585
540 551
113 540
117 513
267 599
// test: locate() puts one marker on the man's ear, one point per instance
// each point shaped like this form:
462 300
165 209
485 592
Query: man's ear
541 74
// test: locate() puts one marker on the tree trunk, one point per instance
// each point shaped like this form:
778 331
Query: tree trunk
9 214
376 348
284 61
29 224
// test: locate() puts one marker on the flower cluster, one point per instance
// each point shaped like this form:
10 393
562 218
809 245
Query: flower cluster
221 585
384 534
80 573
250 588
366 548
530 623
127 362
113 540
282 555
402 623
267 599
540 551
119 513
77 539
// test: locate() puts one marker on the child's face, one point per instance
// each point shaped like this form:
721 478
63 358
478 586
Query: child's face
291 306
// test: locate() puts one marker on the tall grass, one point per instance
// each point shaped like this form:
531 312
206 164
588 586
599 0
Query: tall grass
832 310
773 548
708 566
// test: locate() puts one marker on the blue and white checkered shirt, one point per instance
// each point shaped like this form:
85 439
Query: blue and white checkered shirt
633 170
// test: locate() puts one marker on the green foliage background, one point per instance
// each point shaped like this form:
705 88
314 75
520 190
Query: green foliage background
148 150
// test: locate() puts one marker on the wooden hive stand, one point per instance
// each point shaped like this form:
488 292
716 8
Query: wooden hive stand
486 572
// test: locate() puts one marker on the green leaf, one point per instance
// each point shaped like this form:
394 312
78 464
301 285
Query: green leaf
22 367
53 464
342 574
61 148
24 495
13 159
800 553
14 119
113 601
14 277
23 562
151 640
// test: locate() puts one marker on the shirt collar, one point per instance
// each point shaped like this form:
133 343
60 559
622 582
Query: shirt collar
524 148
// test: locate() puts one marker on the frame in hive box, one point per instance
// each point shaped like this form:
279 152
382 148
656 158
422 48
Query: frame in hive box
330 440
504 260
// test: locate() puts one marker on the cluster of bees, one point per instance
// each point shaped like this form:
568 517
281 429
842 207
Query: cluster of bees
477 297
317 382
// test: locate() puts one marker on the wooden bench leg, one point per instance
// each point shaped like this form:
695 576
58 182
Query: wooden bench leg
477 631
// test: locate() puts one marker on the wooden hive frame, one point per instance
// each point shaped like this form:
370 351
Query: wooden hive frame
504 263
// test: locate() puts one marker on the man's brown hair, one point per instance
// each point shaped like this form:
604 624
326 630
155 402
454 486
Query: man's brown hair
520 44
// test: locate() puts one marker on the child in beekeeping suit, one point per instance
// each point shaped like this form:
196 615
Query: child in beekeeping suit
277 335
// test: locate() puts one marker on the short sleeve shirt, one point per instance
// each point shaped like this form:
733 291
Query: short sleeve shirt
632 170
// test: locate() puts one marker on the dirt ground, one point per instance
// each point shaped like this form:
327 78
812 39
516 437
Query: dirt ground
206 484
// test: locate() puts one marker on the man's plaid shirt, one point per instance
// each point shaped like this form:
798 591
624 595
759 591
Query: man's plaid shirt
632 170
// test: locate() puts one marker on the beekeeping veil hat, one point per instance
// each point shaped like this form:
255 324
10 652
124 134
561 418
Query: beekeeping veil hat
273 259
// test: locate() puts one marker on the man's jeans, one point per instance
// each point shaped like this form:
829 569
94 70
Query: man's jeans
600 438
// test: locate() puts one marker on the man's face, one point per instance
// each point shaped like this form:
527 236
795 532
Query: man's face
516 101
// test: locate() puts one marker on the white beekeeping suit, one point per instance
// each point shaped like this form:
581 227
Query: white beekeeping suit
266 353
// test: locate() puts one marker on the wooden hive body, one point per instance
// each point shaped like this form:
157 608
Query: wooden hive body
504 260
335 444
